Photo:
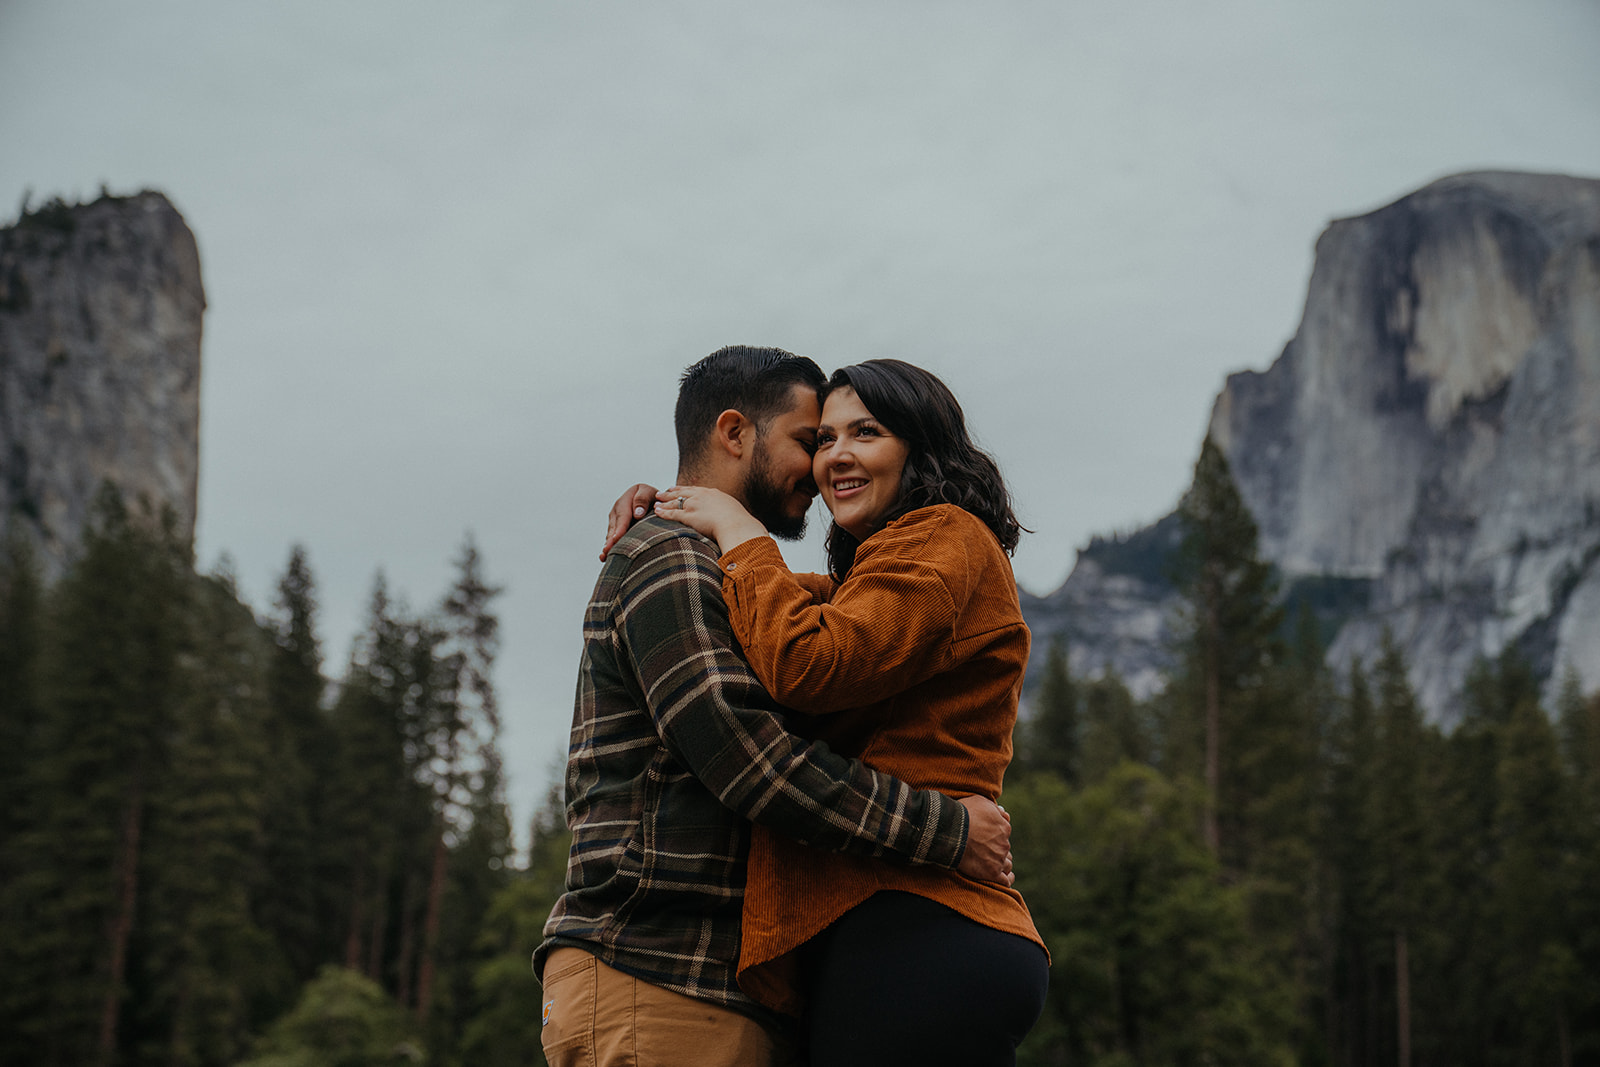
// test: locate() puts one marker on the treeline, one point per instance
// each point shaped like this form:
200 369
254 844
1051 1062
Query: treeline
210 855
1266 864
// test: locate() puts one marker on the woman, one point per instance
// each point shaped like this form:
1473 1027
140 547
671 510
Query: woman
909 655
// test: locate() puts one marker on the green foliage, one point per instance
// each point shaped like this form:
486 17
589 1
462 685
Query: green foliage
505 1030
195 835
1146 554
1152 961
1230 591
20 623
342 1020
1245 716
1533 882
1053 731
1580 737
1224 697
290 897
197 825
203 964
1349 856
1116 728
1376 891
110 691
1396 819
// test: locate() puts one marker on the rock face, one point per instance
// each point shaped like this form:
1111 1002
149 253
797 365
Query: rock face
1117 609
100 309
1431 435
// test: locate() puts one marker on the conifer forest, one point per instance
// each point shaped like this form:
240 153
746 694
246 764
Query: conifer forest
217 848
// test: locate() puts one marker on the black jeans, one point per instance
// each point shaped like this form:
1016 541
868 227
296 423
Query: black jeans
902 979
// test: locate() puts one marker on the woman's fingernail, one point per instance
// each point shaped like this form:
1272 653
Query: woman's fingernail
638 513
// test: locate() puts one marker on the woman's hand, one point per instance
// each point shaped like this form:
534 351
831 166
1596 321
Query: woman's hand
629 506
711 512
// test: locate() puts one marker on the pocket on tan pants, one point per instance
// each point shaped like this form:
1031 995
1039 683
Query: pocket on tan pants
568 1006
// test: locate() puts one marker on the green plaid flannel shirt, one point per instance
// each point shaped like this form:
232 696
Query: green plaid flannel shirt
675 748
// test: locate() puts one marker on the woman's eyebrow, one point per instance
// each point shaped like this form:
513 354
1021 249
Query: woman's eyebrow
851 425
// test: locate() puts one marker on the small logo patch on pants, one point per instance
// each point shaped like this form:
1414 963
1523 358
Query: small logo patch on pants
547 1006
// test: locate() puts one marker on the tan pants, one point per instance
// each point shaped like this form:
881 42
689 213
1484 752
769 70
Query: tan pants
595 1016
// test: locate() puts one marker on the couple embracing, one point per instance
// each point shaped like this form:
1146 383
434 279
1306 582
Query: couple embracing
783 787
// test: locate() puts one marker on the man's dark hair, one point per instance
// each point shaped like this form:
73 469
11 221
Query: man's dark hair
943 466
756 382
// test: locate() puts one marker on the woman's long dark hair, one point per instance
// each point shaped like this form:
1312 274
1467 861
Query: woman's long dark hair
943 466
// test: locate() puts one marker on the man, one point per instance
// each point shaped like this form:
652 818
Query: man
676 747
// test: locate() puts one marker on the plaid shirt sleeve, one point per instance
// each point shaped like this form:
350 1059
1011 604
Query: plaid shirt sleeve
714 716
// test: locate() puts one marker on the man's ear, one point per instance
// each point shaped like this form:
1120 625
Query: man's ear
734 433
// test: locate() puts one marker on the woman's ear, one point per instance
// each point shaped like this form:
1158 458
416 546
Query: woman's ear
733 433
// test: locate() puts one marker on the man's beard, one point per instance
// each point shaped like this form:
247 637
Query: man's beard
764 498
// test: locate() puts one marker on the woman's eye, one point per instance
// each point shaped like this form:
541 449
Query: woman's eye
824 439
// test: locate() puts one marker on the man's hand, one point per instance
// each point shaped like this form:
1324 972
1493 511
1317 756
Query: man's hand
988 854
631 505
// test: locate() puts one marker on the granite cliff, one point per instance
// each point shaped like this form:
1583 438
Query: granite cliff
1424 455
100 314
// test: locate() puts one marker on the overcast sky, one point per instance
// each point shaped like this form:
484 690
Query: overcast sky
456 256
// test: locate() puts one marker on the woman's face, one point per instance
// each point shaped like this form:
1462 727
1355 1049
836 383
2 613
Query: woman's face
858 463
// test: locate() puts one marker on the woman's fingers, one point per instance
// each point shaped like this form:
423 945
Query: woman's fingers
629 506
691 505
674 499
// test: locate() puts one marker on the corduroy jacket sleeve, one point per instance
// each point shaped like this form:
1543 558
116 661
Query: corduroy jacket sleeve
715 718
890 625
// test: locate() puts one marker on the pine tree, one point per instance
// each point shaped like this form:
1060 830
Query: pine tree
1400 874
292 902
1240 717
392 719
472 820
21 622
1152 958
501 1030
1469 991
1232 619
109 693
1114 728
1580 743
204 963
1580 740
20 610
1533 885
1053 735
1352 855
